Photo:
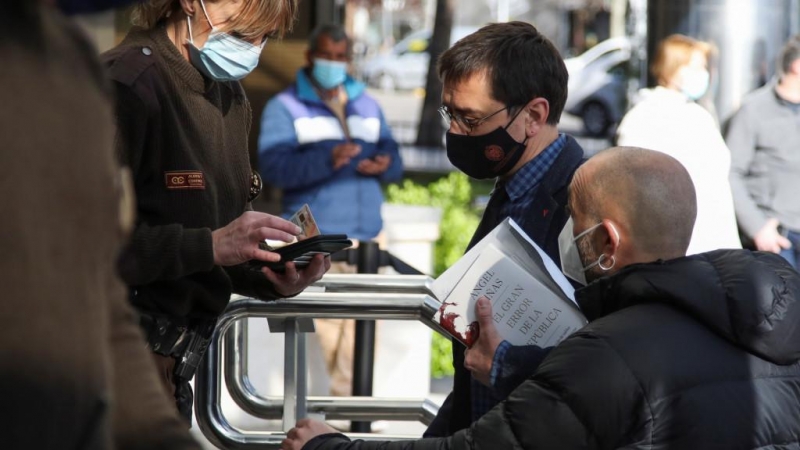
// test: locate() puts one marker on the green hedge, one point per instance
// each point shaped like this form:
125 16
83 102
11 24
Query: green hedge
454 195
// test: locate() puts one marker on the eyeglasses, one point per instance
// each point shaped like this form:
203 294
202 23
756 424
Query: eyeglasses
466 123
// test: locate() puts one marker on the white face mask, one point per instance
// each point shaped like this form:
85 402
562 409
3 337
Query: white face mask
571 262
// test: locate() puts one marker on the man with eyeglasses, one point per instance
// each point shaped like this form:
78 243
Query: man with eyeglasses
504 90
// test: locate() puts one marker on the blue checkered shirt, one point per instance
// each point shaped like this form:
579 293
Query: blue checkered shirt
521 189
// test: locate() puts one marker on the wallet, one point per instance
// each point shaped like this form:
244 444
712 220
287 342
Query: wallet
301 252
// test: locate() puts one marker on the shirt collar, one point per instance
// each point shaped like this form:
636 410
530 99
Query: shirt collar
531 174
784 102
176 63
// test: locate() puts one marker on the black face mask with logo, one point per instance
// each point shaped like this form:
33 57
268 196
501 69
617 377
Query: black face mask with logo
486 156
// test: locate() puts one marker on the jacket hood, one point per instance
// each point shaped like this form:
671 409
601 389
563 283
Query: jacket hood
748 298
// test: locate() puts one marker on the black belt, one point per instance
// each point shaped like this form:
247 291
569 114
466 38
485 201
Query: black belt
185 340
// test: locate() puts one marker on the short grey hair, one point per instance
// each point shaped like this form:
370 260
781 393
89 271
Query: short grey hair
333 31
789 54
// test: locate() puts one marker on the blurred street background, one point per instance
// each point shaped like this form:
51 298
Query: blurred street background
606 45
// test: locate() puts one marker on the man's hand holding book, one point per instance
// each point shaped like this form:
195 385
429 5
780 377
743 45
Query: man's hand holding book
478 358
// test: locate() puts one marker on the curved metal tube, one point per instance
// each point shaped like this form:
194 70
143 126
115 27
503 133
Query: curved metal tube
361 305
371 408
208 408
409 284
339 408
369 306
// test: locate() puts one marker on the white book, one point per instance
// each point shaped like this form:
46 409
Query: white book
532 301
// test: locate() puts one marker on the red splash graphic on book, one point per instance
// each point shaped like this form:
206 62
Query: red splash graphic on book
448 321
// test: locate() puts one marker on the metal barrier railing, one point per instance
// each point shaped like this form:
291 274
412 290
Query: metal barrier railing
368 297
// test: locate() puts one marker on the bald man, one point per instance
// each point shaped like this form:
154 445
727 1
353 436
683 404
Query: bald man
680 352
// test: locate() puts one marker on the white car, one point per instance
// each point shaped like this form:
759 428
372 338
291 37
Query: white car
598 85
405 66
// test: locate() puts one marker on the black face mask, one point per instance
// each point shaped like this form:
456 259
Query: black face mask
486 156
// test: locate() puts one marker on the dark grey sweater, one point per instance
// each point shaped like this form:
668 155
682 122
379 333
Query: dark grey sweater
764 140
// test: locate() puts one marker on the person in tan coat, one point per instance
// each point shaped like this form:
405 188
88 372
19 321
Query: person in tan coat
74 370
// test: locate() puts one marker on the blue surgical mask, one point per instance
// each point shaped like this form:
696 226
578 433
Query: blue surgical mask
329 74
695 83
223 57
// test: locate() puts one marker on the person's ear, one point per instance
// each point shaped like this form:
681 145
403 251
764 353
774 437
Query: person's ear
537 111
611 239
188 7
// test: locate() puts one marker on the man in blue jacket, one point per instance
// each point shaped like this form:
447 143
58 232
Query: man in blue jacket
325 142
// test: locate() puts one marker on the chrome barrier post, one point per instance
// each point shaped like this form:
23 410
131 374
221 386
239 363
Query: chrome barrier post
290 374
393 300
338 408
302 377
295 374
364 351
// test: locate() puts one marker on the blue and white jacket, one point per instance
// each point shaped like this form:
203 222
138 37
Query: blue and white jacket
298 134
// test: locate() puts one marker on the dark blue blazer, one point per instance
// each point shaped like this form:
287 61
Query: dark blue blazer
544 221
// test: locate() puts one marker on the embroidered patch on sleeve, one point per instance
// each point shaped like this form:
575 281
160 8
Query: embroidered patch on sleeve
182 179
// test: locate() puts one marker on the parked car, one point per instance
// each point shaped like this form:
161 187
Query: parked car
598 85
405 66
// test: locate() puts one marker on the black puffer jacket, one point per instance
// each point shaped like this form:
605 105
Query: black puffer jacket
694 353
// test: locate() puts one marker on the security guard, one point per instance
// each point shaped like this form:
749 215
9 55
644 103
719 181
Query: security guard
183 122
